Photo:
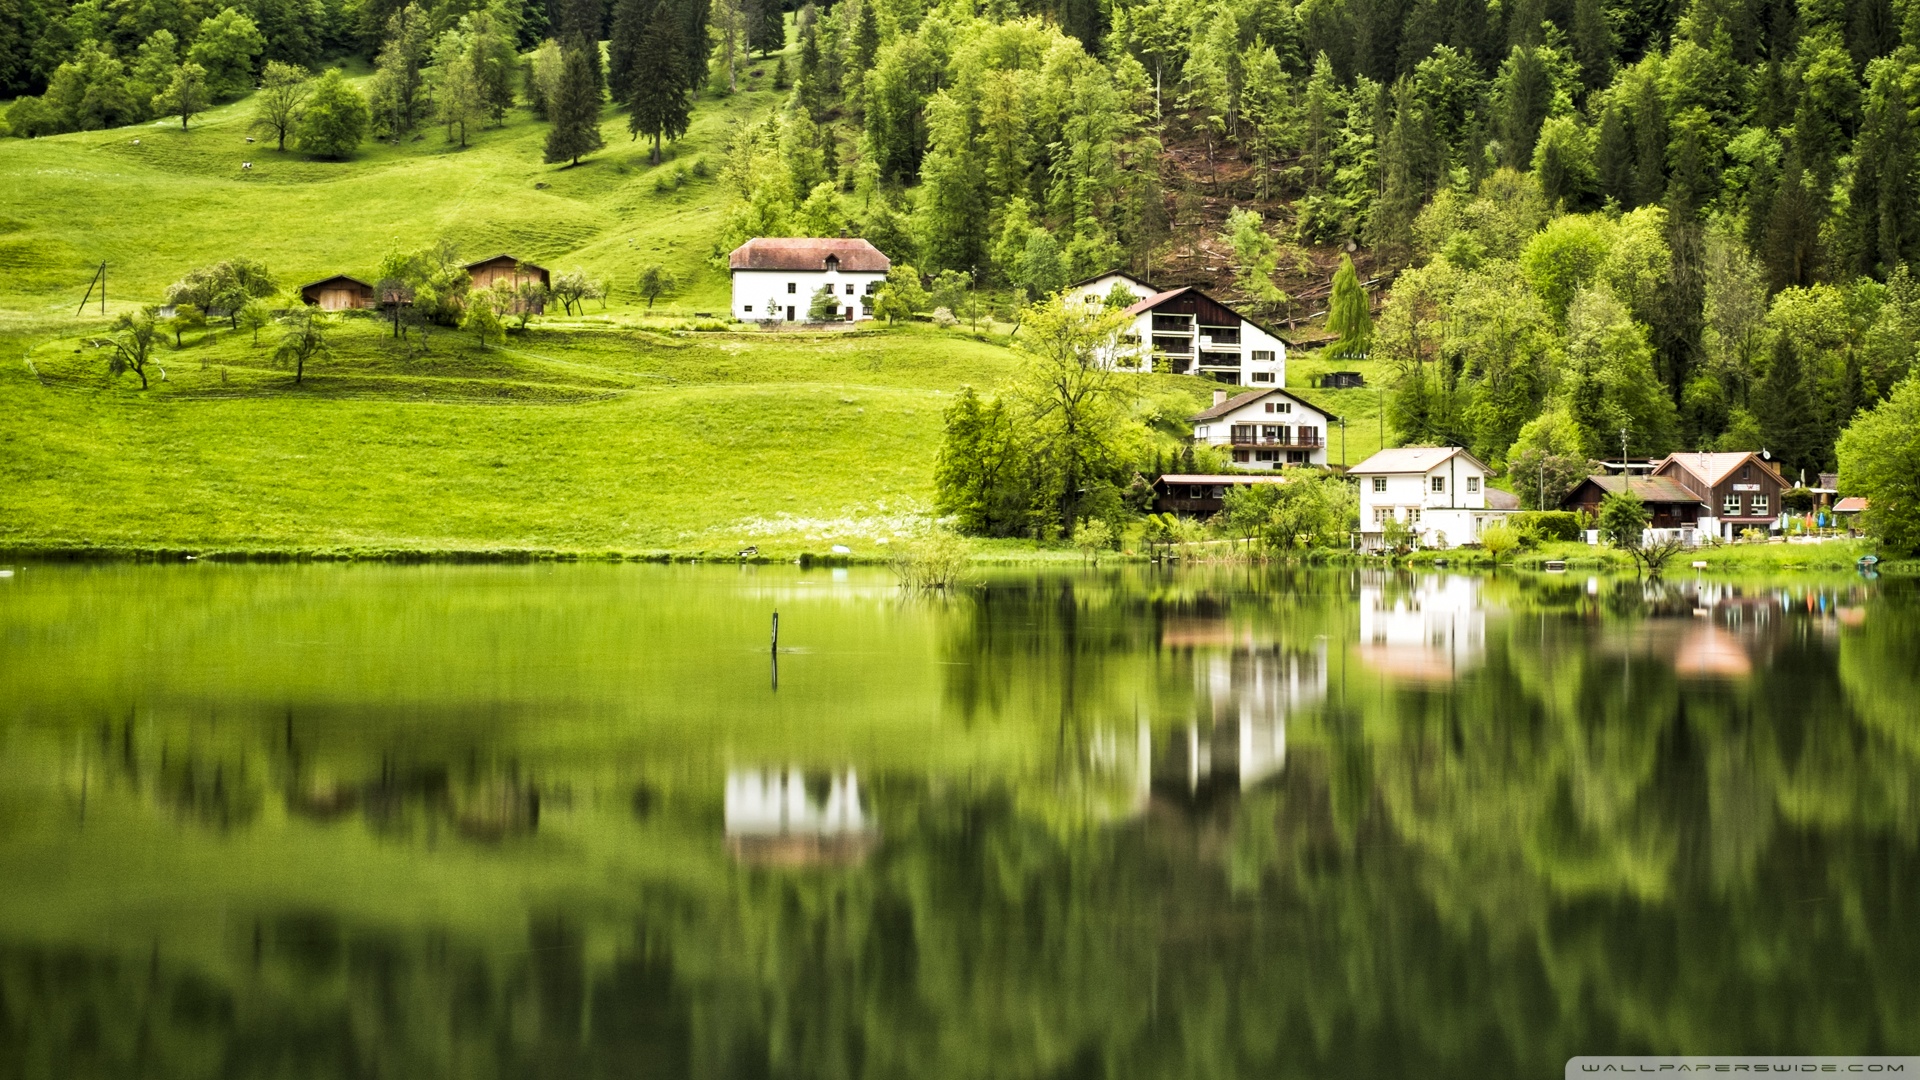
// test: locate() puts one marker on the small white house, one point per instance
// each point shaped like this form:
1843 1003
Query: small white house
775 278
1265 429
1439 491
1186 332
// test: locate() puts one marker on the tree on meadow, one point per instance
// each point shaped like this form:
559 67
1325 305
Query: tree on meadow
226 47
304 341
1348 314
458 97
399 96
662 102
186 96
655 282
283 91
334 120
575 109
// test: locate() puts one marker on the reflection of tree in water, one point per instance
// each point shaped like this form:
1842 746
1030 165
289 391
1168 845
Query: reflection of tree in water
1575 846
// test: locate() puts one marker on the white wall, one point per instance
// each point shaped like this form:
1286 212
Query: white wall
757 294
1253 374
1219 430
1460 515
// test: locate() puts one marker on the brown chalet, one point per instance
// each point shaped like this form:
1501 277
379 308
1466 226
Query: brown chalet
513 271
1736 491
1669 505
338 293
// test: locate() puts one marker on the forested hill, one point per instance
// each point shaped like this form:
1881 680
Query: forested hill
1684 221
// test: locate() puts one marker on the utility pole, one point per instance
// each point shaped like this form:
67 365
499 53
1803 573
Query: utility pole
1543 482
1626 474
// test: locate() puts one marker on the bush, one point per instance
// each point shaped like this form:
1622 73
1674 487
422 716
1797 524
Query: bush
934 561
1796 500
1498 540
1549 524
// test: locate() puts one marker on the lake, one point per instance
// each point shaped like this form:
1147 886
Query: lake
580 820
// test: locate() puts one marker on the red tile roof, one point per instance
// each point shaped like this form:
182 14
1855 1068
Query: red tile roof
808 253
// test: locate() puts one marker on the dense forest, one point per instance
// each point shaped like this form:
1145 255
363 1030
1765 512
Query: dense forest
1684 225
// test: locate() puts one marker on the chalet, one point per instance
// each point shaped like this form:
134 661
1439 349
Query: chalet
1669 505
1265 429
515 272
1186 332
337 293
776 278
1201 494
1440 492
1736 491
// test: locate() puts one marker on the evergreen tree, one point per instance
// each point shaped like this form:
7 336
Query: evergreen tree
1880 228
1791 249
1592 43
1613 155
866 39
1524 92
584 21
661 103
1650 142
767 29
399 97
811 93
632 21
1405 164
1348 315
575 108
1788 423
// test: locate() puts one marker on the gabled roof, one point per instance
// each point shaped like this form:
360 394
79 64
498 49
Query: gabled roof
808 253
336 277
1222 478
1498 499
1111 273
1852 504
1252 396
1656 489
1713 468
1159 298
1412 459
497 258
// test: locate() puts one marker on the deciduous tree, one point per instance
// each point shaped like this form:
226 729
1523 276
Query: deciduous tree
276 108
334 120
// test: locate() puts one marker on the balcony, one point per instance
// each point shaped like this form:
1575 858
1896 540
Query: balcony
1172 346
1286 442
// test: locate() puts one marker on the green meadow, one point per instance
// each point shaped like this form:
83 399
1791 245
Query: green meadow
616 431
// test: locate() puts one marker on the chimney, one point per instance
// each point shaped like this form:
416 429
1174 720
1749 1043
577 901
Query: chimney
1219 398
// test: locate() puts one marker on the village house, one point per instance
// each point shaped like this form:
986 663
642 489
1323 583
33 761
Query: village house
337 293
1670 507
1186 332
487 272
1440 492
775 278
1265 429
1736 491
1201 494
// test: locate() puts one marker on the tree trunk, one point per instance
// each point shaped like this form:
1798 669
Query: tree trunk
142 372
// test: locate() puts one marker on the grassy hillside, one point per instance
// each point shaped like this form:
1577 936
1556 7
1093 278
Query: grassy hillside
611 432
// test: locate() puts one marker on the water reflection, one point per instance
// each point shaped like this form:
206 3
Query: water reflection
554 822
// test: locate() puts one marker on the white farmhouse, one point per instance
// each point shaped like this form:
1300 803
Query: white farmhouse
1265 429
1186 332
775 278
1438 491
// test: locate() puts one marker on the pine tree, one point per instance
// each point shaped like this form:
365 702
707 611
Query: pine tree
1880 225
1593 43
1792 244
632 20
772 26
1650 142
661 103
1787 421
1347 314
1525 95
583 20
1405 164
866 38
1614 156
576 108
811 93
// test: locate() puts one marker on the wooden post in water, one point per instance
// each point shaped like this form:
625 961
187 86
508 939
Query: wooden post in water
775 647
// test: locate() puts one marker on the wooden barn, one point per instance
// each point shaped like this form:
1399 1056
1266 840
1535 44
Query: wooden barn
514 271
338 293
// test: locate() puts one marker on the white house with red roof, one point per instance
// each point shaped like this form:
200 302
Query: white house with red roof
775 277
1186 332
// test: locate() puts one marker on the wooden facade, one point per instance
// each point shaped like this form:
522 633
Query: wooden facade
1202 494
485 273
338 293
1739 490
1669 505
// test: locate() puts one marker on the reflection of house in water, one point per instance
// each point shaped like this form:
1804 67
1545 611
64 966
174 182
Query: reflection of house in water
1247 689
784 817
1431 629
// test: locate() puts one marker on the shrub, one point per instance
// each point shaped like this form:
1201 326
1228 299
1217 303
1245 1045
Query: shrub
932 562
1549 524
1796 500
1498 540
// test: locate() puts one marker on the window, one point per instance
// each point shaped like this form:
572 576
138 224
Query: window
1222 335
1413 515
790 288
1730 506
849 288
1262 376
1266 455
1759 504
1279 406
1172 346
747 308
1440 483
872 287
1172 324
1297 457
1473 484
1242 455
1243 433
833 263
1306 435
1263 356
1382 514
1379 483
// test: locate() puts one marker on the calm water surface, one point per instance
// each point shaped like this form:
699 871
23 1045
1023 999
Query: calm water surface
577 821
